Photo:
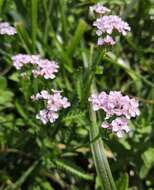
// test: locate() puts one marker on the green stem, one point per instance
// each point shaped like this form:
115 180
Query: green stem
23 177
91 74
97 148
100 160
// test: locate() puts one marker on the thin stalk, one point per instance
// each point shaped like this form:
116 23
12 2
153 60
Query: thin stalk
34 9
99 157
47 11
63 19
91 74
97 148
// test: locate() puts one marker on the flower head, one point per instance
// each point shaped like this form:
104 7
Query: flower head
20 60
5 28
42 67
99 9
108 24
54 103
46 68
117 105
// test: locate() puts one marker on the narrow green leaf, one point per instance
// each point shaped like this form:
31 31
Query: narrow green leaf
20 110
24 37
1 4
67 62
148 162
3 82
48 6
63 19
122 183
71 168
81 28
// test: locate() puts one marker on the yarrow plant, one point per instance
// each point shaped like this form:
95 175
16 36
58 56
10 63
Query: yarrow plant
54 102
7 29
118 108
108 25
42 67
115 104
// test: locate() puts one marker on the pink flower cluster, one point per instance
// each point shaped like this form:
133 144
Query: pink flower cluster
5 28
99 9
108 24
20 60
119 126
42 67
108 40
54 103
115 104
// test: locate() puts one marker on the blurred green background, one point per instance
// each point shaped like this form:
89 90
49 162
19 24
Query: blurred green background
57 157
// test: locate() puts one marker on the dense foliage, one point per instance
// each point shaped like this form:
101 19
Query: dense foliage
57 156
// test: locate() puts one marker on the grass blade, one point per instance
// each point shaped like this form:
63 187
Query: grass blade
81 28
123 182
23 36
34 9
63 20
23 178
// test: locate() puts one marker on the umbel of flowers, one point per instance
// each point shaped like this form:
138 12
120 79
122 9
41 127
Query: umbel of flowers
54 102
118 108
42 67
108 26
7 29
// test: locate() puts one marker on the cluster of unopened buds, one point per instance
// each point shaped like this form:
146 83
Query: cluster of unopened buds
54 102
42 67
106 25
118 108
6 29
